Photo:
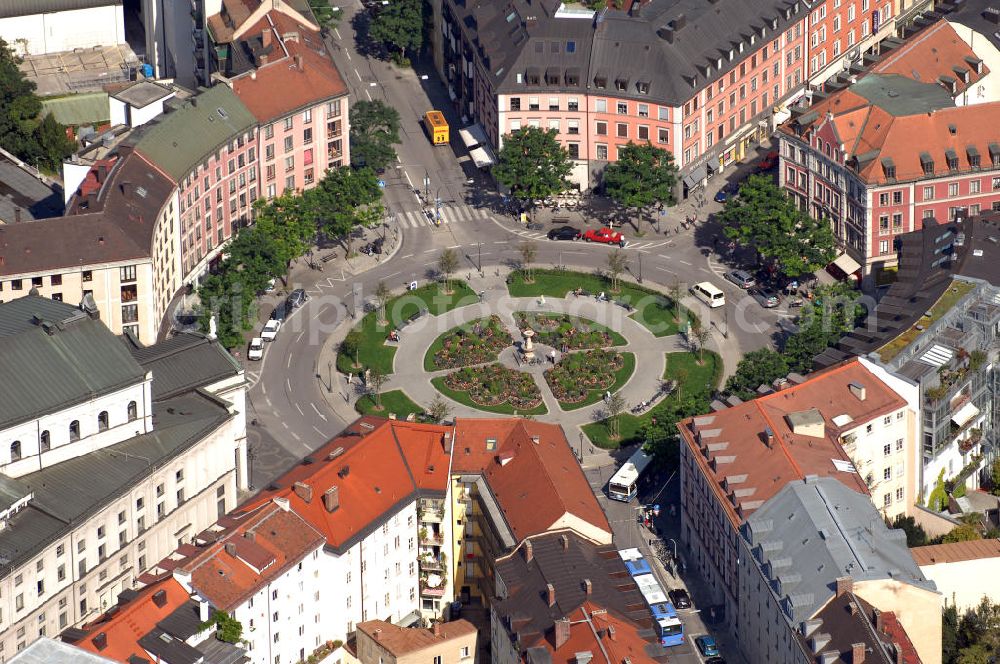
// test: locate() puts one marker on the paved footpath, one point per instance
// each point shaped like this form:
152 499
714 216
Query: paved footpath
409 374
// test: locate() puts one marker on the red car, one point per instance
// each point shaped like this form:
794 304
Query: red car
769 161
606 236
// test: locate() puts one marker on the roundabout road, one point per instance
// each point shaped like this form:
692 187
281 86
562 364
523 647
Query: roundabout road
296 393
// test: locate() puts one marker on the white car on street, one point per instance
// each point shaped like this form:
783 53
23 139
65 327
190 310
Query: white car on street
270 330
256 351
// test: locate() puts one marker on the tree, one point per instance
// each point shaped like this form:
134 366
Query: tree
675 292
701 335
376 379
965 532
439 409
447 264
227 628
660 432
974 636
374 130
382 293
528 250
400 25
915 533
616 405
37 140
617 263
351 345
642 176
758 367
681 376
765 218
533 165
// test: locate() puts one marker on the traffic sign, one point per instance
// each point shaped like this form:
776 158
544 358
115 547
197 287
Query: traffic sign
381 183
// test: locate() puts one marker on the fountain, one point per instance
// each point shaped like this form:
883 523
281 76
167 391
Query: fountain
528 348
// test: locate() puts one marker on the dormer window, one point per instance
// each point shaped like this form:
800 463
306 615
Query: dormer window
889 169
600 82
15 451
952 160
621 84
926 163
44 441
732 54
973 156
642 87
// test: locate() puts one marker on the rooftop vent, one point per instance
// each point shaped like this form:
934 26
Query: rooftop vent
858 390
806 423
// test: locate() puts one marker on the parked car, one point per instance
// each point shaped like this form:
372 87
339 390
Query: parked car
766 297
769 161
296 298
715 660
605 236
564 233
270 330
270 285
707 646
680 599
256 351
721 196
741 278
280 312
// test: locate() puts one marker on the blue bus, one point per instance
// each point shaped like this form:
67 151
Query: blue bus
634 562
669 628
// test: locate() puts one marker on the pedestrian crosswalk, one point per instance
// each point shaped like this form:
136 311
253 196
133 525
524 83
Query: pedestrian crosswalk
450 214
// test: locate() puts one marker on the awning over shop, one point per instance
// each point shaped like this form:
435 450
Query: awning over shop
481 157
846 264
473 135
965 414
695 177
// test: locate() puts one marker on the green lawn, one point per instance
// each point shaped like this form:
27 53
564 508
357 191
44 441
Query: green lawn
653 310
621 377
463 398
393 401
699 377
373 352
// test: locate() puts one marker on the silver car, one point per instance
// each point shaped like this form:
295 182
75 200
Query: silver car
766 297
741 278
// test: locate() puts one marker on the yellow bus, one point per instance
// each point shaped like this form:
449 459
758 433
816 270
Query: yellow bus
437 127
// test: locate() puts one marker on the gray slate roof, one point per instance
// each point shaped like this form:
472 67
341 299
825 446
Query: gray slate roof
814 531
901 95
10 8
46 371
182 363
49 651
71 491
180 139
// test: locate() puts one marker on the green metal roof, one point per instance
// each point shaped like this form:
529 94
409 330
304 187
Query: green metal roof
53 355
901 96
179 140
81 109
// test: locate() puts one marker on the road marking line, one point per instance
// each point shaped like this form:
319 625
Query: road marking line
502 242
359 75
391 275
368 94
288 384
318 431
408 256
295 436
299 336
683 262
430 251
457 246
338 36
288 364
408 180
299 408
321 415
263 389
284 424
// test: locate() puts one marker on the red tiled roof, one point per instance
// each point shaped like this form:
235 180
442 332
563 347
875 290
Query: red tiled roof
897 635
931 54
306 77
622 644
376 465
131 621
758 471
956 552
266 543
538 483
401 641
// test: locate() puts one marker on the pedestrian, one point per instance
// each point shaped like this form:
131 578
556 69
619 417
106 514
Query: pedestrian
552 356
607 397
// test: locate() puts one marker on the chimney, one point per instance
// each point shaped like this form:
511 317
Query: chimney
303 491
877 621
611 632
529 551
262 59
897 653
231 548
562 632
447 442
845 584
160 598
102 172
253 74
535 439
250 536
265 39
857 653
436 629
550 594
377 635
100 641
588 587
331 499
298 63
857 390
17 214
769 437
564 541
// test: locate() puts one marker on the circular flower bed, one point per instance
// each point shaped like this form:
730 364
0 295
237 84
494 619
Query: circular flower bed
494 384
476 342
579 374
565 332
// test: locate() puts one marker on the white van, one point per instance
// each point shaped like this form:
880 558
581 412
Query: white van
709 294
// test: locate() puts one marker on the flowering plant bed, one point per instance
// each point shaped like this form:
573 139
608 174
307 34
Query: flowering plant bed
564 332
475 342
580 379
493 387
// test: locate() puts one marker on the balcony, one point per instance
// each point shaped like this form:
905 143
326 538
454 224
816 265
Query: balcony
431 515
431 538
431 563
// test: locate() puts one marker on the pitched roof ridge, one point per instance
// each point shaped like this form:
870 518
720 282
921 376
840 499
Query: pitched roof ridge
777 438
402 454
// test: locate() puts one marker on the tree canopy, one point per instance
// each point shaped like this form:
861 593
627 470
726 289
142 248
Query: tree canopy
756 368
973 637
765 218
374 130
644 175
533 164
39 141
399 24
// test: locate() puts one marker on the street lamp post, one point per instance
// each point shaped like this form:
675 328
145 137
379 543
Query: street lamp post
329 377
581 447
674 542
479 246
640 267
427 185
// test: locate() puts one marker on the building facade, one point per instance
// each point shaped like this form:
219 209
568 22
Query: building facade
105 476
380 642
